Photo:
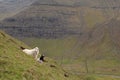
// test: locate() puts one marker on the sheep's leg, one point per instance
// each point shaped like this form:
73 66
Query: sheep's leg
35 55
37 52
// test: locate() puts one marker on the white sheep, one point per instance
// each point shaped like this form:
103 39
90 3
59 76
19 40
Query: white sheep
34 52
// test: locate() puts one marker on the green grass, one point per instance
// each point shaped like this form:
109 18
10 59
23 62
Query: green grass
60 46
16 65
99 77
93 17
101 57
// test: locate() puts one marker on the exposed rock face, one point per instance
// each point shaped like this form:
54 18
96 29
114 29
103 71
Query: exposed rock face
53 19
37 32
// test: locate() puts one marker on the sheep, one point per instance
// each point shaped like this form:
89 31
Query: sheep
34 52
41 59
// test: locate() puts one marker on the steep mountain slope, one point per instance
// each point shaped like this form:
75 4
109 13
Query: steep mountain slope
15 65
53 18
83 39
51 21
11 7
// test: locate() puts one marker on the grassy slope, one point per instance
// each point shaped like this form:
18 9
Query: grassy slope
108 58
73 59
99 77
101 52
15 65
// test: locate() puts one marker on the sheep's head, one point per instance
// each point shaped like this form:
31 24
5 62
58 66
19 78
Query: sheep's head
22 48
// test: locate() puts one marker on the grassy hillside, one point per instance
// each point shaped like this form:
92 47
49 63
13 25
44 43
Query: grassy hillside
97 49
82 39
102 60
15 65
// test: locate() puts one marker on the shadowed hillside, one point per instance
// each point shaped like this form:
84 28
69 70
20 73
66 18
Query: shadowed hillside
9 8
